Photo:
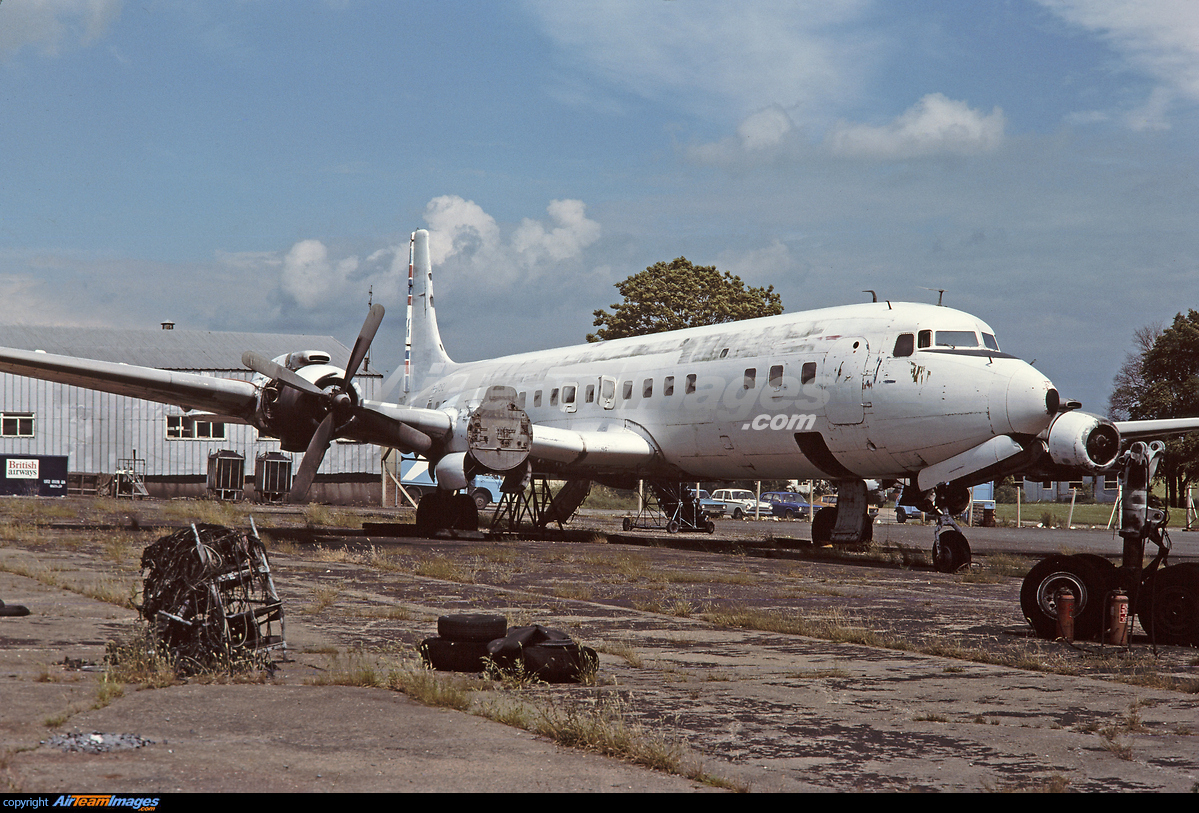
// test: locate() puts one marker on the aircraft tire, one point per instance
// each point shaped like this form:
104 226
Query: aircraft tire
472 627
1088 581
464 512
823 524
951 552
1169 605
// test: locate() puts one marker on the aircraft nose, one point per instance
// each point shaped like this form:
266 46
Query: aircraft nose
1031 402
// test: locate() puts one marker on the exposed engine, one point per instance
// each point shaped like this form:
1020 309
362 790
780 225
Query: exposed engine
293 415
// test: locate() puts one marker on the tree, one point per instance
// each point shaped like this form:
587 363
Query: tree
1162 381
669 296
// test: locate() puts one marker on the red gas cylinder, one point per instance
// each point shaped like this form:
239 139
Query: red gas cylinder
1065 614
1119 624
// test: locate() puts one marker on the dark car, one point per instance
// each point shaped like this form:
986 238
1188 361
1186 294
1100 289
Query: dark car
787 505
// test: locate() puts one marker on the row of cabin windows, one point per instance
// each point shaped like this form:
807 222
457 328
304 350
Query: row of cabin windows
569 393
908 343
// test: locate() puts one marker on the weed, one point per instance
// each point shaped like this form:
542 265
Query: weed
622 649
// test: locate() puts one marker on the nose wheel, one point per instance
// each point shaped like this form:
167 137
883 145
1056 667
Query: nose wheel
951 551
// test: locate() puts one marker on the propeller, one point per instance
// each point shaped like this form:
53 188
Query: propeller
339 402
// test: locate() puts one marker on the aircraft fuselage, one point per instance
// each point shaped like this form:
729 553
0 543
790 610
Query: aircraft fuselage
877 390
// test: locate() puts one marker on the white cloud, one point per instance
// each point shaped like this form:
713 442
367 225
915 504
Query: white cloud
766 128
460 229
54 25
1159 38
717 57
934 125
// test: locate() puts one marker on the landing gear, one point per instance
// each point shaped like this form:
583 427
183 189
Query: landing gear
849 523
1169 605
951 551
442 511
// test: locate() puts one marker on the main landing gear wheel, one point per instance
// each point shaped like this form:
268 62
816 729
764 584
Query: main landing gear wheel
822 526
1088 577
1169 605
438 511
951 552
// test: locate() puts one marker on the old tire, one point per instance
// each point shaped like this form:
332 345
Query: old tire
453 656
822 526
472 627
951 552
1088 580
1169 605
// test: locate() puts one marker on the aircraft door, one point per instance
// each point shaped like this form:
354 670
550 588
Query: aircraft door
843 379
607 391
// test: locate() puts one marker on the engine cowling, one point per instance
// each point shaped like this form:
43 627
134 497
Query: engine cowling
1082 440
291 415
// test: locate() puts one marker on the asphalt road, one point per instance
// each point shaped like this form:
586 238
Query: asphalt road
765 710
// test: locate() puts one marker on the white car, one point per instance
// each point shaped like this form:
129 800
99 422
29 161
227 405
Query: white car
740 502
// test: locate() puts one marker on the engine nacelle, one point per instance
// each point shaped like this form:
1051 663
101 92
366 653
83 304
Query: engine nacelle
291 415
1082 440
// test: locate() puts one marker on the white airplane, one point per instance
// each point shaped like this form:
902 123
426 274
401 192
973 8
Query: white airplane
889 391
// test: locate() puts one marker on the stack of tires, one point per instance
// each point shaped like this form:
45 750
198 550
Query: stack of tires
461 642
465 643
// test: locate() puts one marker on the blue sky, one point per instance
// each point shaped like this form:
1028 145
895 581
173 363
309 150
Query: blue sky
259 164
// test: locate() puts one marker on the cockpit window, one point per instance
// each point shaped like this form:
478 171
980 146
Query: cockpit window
957 338
990 342
904 345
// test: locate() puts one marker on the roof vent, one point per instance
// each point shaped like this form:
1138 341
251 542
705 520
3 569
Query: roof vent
168 325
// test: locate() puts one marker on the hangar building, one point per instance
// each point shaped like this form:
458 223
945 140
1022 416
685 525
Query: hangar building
100 433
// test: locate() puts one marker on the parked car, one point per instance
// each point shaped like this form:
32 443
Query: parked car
740 502
787 505
711 507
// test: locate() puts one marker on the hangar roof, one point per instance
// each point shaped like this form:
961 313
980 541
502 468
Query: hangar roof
193 350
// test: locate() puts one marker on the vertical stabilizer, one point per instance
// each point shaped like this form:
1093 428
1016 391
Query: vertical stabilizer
424 354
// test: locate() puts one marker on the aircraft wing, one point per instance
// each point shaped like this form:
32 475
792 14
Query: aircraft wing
221 396
1157 428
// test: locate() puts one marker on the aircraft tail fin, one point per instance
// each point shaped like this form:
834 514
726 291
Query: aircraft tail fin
424 354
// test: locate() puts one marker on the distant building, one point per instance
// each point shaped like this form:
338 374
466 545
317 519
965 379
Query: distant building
1103 487
95 431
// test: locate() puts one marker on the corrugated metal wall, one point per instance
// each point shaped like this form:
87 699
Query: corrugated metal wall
94 430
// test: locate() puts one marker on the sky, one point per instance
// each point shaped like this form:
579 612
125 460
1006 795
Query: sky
260 164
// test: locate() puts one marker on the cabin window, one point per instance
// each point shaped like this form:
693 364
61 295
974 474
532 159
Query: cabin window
724 353
776 376
537 398
16 424
647 388
589 393
554 397
607 389
750 376
668 385
807 373
568 394
181 427
956 338
990 342
905 345
626 390
924 339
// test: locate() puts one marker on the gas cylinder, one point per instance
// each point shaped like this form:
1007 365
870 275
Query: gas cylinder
1065 614
1119 624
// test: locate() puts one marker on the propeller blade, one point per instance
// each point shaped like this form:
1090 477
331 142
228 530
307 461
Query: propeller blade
365 337
274 371
313 456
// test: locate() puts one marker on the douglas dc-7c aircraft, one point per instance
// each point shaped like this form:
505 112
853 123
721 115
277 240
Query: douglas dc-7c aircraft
885 390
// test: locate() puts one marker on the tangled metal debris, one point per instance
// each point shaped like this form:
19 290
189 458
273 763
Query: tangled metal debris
209 597
97 743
